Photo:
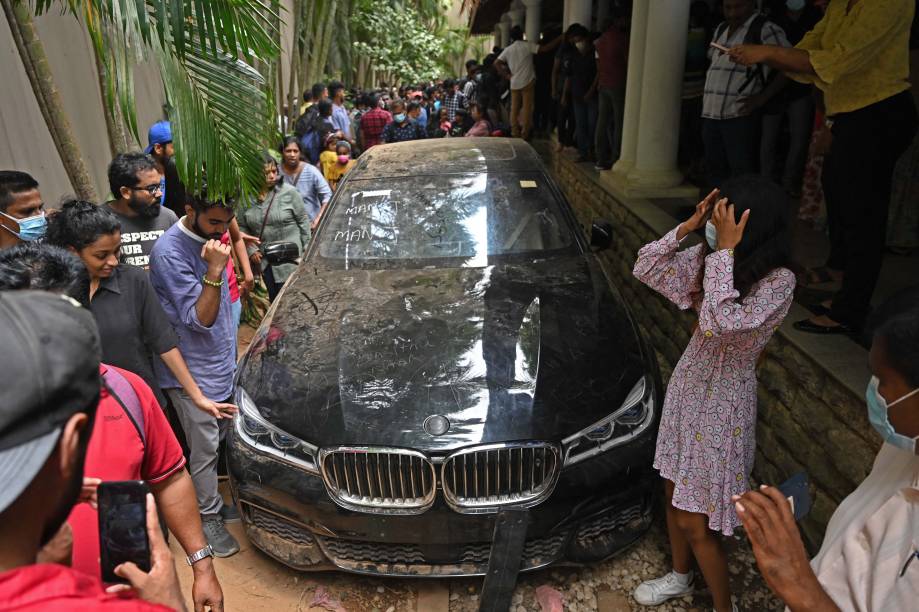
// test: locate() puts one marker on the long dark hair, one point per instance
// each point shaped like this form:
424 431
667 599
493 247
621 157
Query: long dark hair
766 242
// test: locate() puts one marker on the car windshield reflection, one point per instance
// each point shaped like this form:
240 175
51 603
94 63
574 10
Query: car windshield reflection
464 220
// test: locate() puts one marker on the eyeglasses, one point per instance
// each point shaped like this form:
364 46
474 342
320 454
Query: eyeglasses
151 189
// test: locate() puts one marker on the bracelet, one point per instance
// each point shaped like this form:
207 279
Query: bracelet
210 283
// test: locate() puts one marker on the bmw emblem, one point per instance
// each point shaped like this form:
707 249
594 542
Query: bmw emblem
436 425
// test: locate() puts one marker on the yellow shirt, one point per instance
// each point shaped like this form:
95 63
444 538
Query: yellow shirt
336 171
860 57
327 159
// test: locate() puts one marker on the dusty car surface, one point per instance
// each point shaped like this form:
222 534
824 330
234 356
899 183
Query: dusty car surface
448 348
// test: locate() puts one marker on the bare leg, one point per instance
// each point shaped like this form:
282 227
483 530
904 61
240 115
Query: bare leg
679 545
709 553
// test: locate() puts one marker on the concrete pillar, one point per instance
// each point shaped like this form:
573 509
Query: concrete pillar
580 11
566 11
505 30
637 36
661 83
517 12
533 19
497 35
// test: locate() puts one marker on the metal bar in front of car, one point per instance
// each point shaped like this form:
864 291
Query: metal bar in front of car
504 560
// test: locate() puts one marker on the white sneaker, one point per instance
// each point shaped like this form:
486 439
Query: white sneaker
655 592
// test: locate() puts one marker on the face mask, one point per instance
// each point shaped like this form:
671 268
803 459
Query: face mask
436 105
711 235
30 228
795 5
399 118
877 414
581 45
343 159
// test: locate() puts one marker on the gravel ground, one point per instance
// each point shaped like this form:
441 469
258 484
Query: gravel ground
606 586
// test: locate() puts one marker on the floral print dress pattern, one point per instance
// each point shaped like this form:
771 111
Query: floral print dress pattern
707 436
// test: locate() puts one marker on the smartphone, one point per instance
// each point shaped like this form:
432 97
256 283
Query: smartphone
721 48
796 489
123 526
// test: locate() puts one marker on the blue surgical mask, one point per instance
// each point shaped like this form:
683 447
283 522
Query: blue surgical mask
795 5
399 118
31 228
711 235
877 414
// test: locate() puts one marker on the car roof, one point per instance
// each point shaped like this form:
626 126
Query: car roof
438 156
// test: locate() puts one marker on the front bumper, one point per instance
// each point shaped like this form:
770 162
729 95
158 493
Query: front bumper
598 508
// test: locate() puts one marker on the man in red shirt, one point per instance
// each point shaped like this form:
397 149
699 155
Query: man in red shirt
131 437
49 388
612 51
373 122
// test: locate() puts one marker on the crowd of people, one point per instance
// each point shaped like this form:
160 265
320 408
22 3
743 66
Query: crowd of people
120 318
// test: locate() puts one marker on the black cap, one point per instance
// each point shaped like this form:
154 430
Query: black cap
49 348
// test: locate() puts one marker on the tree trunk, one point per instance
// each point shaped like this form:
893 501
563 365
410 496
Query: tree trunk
114 123
32 53
293 106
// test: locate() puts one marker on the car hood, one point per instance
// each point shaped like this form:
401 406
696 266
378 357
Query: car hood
504 352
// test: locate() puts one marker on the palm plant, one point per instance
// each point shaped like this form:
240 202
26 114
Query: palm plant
205 50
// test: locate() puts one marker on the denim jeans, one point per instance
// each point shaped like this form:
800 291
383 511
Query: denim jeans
730 147
585 118
800 115
610 113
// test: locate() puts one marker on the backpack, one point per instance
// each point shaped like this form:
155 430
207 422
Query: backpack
305 121
121 390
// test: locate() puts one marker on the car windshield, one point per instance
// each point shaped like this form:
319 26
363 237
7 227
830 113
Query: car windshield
444 221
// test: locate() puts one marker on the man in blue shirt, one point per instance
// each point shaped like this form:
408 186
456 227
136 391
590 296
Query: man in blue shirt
340 118
188 269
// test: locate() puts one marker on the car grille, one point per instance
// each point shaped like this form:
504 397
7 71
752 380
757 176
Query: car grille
385 480
281 527
487 478
410 559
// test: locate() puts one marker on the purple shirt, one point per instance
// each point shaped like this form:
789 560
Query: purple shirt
176 270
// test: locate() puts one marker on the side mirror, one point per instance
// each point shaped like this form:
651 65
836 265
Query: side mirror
278 253
601 234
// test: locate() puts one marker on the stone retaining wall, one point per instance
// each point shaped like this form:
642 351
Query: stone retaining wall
808 420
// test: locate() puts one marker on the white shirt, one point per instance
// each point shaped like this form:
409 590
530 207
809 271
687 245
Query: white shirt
871 536
519 59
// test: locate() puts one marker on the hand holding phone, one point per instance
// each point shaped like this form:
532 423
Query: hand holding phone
161 583
123 527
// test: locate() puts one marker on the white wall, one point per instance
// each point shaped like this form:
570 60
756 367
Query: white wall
25 143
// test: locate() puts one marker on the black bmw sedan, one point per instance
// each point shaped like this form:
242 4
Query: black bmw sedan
448 348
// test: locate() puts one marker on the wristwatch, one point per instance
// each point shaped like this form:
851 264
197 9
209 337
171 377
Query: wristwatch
193 558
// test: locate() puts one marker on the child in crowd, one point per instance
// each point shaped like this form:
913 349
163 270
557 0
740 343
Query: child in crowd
738 284
343 163
327 158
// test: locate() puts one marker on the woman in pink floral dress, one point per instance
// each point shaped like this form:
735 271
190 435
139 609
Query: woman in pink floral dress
742 291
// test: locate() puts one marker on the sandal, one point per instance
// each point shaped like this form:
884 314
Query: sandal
809 327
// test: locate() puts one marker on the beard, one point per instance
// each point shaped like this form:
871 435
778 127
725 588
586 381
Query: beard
206 235
143 209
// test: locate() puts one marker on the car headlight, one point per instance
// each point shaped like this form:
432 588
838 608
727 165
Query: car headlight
258 433
631 419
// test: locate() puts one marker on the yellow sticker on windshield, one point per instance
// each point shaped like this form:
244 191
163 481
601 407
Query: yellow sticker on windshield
528 184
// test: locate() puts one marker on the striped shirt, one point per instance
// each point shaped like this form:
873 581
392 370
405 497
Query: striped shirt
722 95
